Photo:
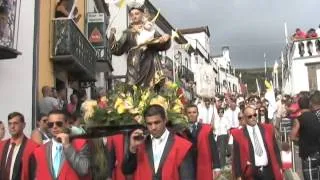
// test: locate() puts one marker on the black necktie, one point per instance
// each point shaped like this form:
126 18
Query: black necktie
194 130
9 160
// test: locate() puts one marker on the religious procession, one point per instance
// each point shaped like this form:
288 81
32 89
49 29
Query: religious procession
111 90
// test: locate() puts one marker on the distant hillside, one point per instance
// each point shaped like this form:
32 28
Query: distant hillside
249 77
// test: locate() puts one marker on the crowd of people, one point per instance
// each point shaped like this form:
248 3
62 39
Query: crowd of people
226 133
311 33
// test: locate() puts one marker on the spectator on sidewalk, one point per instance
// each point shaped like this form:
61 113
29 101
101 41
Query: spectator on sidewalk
41 134
315 104
73 105
48 103
306 130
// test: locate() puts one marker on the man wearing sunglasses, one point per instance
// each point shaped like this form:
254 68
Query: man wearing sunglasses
59 158
256 155
16 151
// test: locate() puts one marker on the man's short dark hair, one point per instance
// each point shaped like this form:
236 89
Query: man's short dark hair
16 114
304 102
191 106
141 9
58 112
315 98
41 115
154 110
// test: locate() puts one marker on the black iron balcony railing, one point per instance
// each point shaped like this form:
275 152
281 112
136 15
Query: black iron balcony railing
186 73
72 51
168 63
9 28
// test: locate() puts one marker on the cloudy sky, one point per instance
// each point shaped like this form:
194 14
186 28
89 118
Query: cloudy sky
248 27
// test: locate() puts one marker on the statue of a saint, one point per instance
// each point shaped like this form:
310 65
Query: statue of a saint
141 43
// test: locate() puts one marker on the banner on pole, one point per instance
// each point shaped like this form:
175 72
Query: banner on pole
205 79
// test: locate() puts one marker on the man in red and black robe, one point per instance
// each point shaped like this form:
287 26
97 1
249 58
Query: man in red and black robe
256 155
162 156
60 159
205 151
116 148
16 151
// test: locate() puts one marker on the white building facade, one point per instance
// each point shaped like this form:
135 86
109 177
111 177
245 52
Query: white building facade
227 81
204 69
301 66
17 74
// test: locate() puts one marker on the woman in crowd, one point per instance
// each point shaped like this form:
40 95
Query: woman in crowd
73 105
41 135
263 115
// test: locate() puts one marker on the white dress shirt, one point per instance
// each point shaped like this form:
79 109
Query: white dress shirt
221 126
55 144
232 117
205 114
14 156
158 145
259 160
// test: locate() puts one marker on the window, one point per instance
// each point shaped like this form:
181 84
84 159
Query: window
9 20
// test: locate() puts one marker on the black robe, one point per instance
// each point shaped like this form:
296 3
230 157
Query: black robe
141 62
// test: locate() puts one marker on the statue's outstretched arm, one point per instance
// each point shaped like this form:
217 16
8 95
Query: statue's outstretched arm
121 46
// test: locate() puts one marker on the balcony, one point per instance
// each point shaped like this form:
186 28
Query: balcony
167 67
306 48
9 28
71 50
185 73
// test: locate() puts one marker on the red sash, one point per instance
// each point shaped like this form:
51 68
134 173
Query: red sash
204 156
246 162
117 142
170 169
29 147
67 172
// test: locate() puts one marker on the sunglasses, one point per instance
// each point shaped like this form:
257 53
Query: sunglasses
250 116
139 138
58 124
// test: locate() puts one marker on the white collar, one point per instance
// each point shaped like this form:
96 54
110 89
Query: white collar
195 123
55 143
162 137
250 128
